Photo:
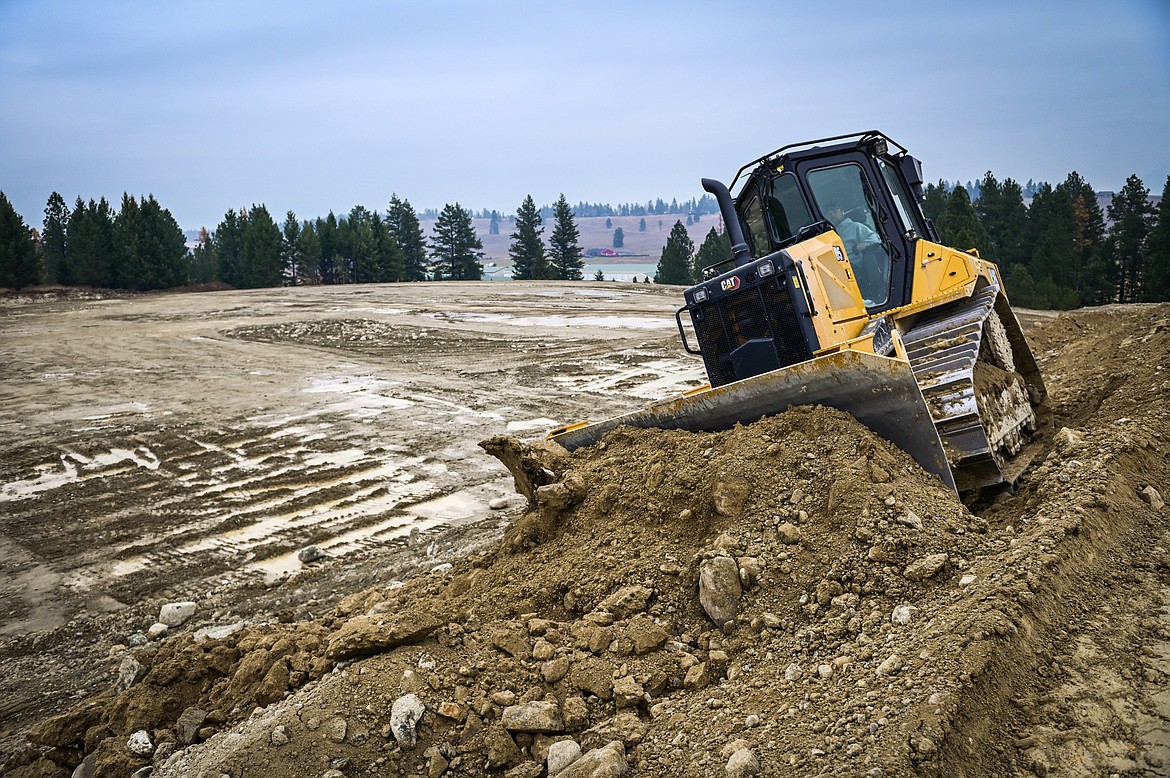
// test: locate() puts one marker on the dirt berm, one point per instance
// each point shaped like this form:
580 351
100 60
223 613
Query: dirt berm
866 621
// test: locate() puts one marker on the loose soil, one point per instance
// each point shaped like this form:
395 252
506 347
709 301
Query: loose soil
185 447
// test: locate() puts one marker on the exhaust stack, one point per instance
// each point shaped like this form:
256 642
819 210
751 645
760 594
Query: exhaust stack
740 252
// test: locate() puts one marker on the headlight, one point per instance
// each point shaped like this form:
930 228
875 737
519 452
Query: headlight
765 269
701 295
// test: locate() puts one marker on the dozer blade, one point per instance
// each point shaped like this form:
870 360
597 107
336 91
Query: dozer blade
880 392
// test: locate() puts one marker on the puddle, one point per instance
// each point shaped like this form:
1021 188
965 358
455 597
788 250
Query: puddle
75 467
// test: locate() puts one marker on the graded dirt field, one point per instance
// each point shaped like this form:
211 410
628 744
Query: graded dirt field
167 448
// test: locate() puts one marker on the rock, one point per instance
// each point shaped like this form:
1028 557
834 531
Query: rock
510 638
593 676
729 497
130 672
890 665
575 712
790 534
627 601
554 670
903 615
926 567
627 692
539 716
608 761
741 764
143 772
498 503
218 632
525 770
719 588
501 749
562 754
1153 498
175 614
749 571
310 554
140 743
793 672
404 717
697 677
187 727
646 635
335 729
450 710
365 635
279 736
542 650
910 519
157 630
137 640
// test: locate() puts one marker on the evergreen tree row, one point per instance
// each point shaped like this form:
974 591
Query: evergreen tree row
1062 250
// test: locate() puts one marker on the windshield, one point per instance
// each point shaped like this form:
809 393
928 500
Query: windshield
843 195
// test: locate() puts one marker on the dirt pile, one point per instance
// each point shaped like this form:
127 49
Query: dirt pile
791 597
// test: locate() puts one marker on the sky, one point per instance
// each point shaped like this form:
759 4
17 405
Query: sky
315 107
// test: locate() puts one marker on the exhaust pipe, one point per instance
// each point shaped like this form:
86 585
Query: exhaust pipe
740 252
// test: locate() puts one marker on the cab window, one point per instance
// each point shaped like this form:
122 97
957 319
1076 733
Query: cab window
786 210
753 218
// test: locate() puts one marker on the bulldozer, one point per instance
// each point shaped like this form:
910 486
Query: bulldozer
840 293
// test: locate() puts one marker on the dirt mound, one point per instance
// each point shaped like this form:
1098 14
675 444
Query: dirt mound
791 597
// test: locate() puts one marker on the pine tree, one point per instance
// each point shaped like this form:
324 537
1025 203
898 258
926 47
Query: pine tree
959 226
1158 251
309 253
19 265
1086 271
935 200
262 248
390 263
1131 215
455 247
642 225
228 240
716 248
565 256
90 235
494 224
54 246
130 269
290 238
1002 211
527 252
359 245
328 258
402 224
619 238
676 264
162 247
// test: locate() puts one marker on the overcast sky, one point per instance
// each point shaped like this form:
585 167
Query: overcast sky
313 107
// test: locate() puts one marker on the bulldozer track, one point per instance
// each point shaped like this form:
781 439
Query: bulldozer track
984 422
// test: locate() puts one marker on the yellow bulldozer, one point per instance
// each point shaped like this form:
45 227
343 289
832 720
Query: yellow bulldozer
839 293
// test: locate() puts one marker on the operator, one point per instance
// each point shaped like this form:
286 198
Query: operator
856 236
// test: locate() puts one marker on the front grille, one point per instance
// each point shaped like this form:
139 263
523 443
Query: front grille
764 311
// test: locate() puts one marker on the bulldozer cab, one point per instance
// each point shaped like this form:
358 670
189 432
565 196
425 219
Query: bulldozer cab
859 188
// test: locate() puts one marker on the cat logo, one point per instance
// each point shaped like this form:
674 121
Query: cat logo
730 284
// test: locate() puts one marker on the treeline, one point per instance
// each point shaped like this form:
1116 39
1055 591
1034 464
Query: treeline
141 247
1062 250
659 207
